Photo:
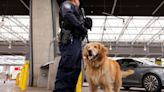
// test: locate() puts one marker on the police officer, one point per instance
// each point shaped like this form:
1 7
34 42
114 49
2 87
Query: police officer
72 33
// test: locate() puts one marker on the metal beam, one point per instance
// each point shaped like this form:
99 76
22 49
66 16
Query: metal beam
114 6
18 23
107 14
11 31
120 26
124 49
149 34
4 38
104 28
156 35
24 4
124 28
149 23
158 7
14 33
18 48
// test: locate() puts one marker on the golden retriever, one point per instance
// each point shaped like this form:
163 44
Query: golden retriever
102 71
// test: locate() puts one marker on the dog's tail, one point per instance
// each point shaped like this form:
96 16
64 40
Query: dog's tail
127 73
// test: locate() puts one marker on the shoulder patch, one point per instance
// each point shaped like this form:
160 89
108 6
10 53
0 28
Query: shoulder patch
67 6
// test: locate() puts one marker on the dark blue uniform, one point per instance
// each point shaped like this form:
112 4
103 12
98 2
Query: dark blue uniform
71 55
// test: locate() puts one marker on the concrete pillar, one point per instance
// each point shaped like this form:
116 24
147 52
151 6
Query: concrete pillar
42 34
53 67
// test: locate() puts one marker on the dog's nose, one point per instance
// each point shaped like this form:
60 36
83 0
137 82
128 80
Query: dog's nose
90 52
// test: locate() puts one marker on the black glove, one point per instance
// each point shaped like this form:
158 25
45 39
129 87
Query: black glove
88 23
85 30
85 33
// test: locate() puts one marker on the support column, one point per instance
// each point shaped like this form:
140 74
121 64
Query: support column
42 35
53 67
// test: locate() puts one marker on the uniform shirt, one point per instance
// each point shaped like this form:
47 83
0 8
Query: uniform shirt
72 18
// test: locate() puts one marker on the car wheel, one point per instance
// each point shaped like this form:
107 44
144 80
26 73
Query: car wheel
152 83
126 88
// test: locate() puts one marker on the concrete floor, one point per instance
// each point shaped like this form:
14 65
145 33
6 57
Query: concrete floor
85 89
10 86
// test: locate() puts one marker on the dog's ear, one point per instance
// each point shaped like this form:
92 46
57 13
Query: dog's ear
102 48
99 46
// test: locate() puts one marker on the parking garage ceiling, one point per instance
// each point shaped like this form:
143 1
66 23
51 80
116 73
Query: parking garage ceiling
96 7
14 7
124 7
123 27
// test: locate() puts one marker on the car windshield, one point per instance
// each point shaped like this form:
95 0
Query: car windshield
144 61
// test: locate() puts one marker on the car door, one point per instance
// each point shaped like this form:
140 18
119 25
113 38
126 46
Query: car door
133 79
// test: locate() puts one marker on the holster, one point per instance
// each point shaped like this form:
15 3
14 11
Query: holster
65 36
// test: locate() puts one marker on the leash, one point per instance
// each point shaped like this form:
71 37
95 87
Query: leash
84 16
87 38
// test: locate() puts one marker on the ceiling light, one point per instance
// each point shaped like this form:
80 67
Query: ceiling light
110 48
145 48
9 45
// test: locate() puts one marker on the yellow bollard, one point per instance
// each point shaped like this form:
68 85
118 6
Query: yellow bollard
79 83
17 79
25 76
21 77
